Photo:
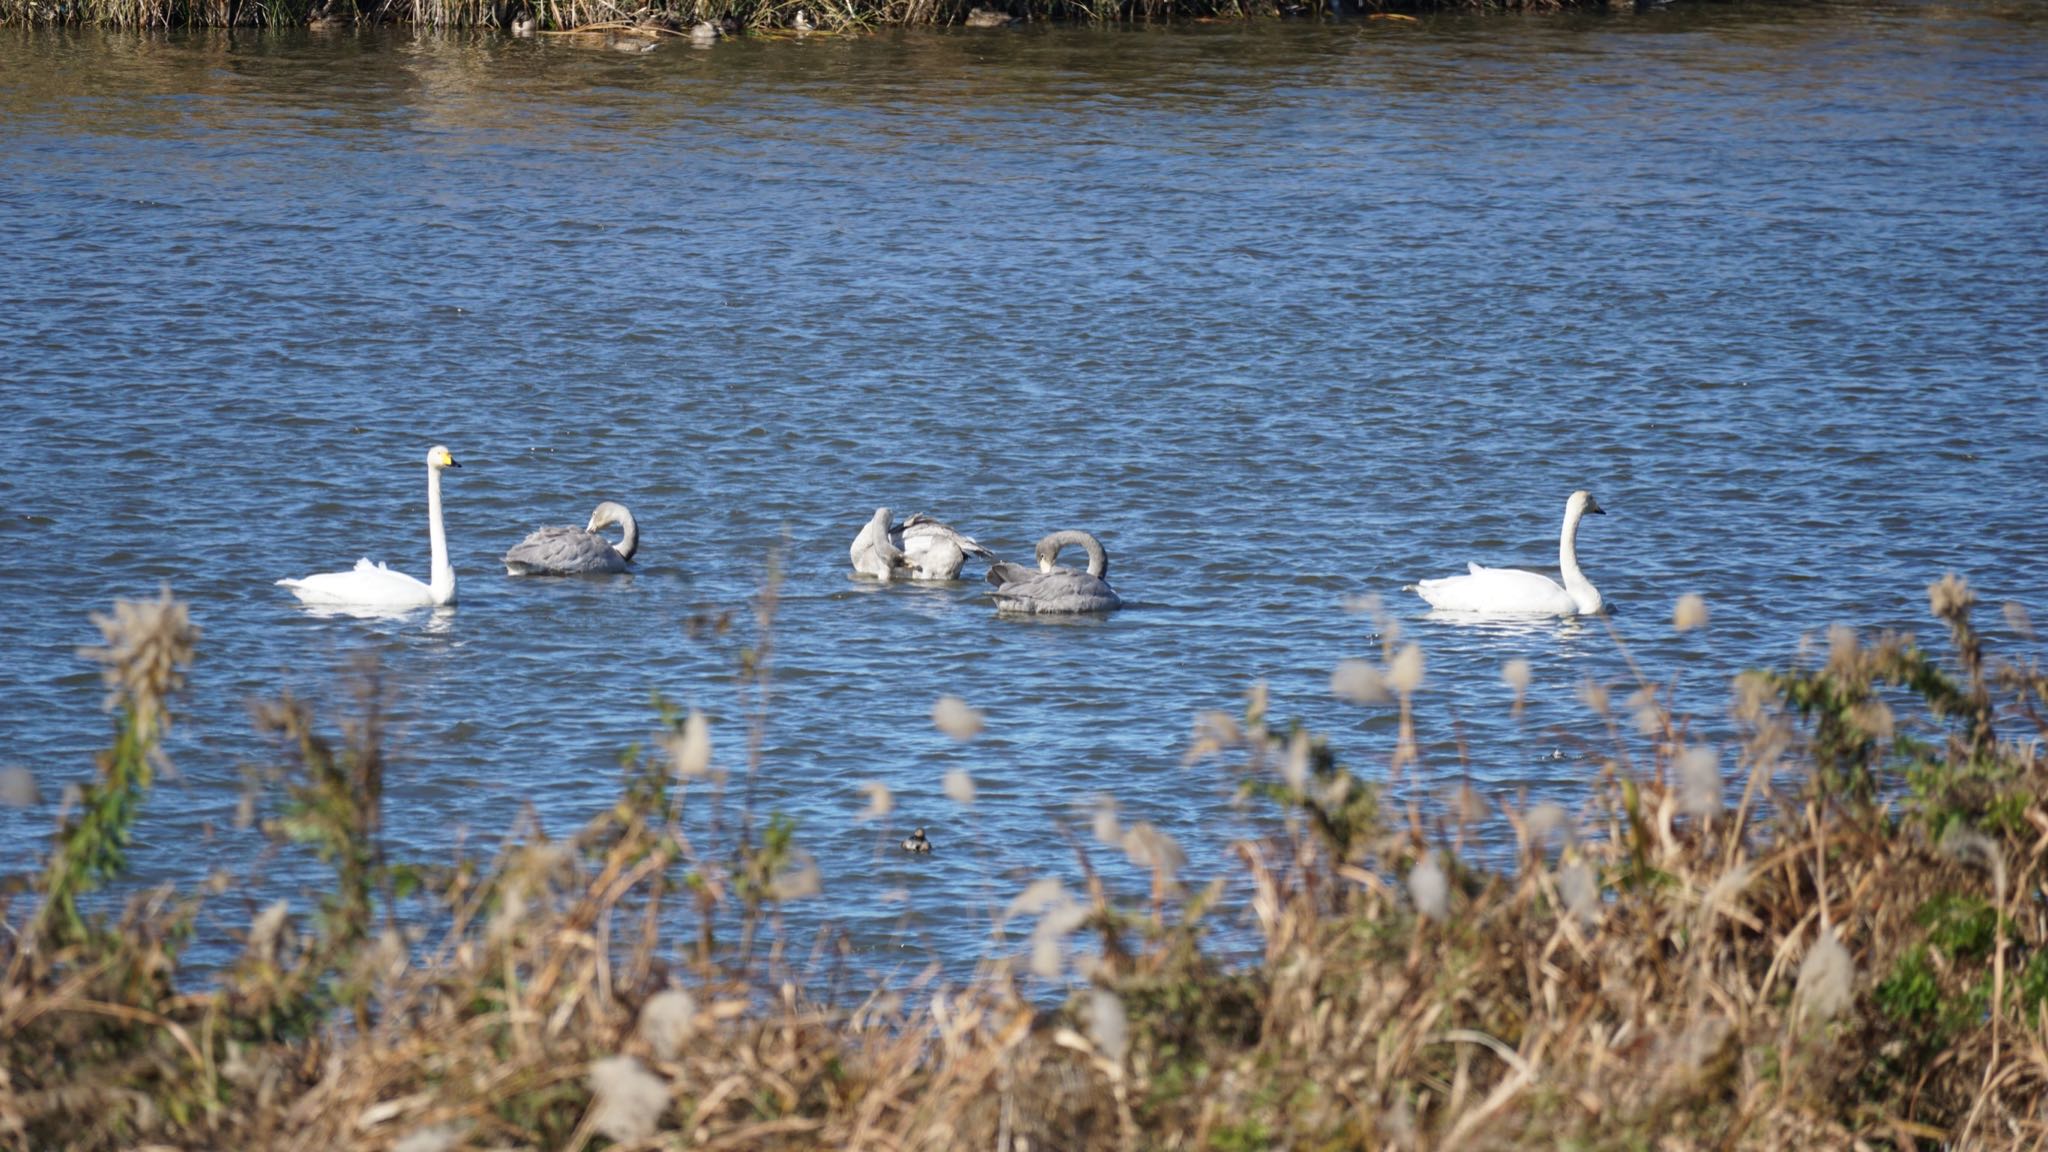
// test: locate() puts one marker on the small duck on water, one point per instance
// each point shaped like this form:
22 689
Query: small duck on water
917 842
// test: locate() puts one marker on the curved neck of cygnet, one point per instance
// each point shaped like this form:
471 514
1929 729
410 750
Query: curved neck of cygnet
442 582
629 540
1576 585
1098 559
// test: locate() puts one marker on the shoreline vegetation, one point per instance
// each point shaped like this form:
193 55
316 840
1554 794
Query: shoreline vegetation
1832 936
653 20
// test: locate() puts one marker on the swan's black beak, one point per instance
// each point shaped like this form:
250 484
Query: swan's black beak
1594 507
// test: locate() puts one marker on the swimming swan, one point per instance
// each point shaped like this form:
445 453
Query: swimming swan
560 550
376 586
1051 590
1513 591
920 548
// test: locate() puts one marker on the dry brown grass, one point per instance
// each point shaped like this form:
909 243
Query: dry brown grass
1653 972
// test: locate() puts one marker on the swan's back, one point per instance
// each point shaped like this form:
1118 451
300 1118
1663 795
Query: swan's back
367 584
1507 591
1062 592
563 551
935 551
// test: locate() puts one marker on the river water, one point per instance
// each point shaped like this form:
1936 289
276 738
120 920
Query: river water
1288 314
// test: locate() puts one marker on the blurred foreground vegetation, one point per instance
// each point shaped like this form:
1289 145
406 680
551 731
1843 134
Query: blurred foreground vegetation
1850 954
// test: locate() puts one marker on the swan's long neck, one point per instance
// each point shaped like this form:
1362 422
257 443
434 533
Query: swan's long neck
1098 559
629 541
1576 585
442 583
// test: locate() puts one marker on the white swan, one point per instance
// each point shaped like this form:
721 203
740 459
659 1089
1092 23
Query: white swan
376 586
920 548
564 551
873 553
1051 590
1512 591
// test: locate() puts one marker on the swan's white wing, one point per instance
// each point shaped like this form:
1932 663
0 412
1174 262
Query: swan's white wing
563 551
921 532
1063 592
367 584
1498 590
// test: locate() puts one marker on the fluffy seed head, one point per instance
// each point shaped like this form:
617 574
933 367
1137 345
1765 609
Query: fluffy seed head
1699 782
1107 830
1429 888
627 1100
1593 694
1109 1028
1515 674
1148 847
1690 613
952 716
266 931
959 786
1950 595
690 749
1359 682
18 787
1404 675
1580 890
881 801
1294 766
435 1138
1545 822
1827 979
667 1020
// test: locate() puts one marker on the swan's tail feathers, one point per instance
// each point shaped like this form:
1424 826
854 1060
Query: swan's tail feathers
1005 572
291 583
968 546
1473 568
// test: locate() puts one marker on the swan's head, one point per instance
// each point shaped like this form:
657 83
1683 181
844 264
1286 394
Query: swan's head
881 518
1582 502
605 515
439 458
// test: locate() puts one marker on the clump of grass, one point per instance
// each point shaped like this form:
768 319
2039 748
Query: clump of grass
1851 953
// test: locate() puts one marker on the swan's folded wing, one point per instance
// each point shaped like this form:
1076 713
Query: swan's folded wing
1062 592
368 583
562 549
1499 590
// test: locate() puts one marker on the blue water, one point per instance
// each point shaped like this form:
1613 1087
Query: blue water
1286 313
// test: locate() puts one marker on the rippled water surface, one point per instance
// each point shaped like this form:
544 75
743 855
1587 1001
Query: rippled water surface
1285 313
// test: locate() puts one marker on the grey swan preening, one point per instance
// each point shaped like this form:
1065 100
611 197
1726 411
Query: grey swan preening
1052 590
565 551
1512 591
920 548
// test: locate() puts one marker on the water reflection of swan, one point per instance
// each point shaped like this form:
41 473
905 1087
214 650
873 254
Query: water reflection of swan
920 548
1513 591
1051 590
560 550
374 586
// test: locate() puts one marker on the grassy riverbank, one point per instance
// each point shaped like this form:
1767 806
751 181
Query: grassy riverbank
656 19
1854 953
